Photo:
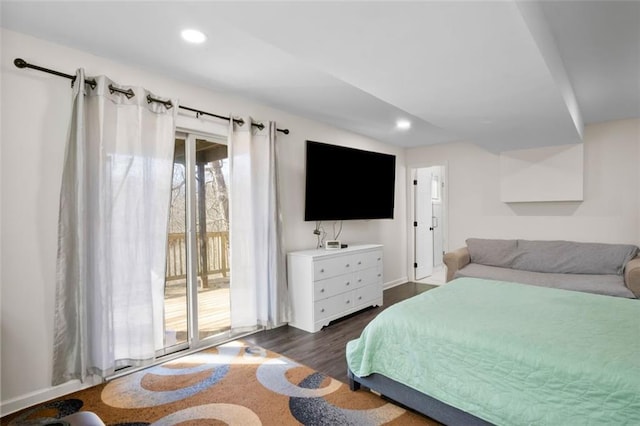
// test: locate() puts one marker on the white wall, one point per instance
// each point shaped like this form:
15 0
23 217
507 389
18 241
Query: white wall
35 116
609 212
550 173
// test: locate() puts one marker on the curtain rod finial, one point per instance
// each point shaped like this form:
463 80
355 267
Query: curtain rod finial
20 63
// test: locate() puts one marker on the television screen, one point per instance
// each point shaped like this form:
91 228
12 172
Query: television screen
346 183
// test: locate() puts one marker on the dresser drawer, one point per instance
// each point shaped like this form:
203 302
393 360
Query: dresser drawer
332 286
333 305
368 277
367 294
369 259
323 309
327 268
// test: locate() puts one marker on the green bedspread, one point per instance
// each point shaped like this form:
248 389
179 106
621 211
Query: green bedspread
512 354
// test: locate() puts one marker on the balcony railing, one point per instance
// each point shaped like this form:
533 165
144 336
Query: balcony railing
217 256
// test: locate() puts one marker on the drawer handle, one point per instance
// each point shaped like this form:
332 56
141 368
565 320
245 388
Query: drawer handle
359 263
379 275
322 310
359 280
322 290
348 301
348 283
378 258
322 270
348 265
359 297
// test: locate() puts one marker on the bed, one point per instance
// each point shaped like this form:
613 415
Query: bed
478 351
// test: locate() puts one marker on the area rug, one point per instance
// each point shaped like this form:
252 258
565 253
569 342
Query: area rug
235 384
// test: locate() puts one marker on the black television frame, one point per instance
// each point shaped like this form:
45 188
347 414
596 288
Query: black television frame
343 183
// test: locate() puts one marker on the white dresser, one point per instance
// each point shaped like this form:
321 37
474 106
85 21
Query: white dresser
328 284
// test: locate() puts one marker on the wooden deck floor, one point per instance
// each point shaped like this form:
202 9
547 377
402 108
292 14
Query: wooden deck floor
213 310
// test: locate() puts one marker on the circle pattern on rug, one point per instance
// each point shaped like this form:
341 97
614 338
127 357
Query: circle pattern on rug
63 407
271 374
319 412
128 392
229 413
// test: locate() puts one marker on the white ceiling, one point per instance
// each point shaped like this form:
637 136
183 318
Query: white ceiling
502 74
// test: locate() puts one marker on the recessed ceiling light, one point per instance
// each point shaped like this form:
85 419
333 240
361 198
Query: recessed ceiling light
403 124
193 36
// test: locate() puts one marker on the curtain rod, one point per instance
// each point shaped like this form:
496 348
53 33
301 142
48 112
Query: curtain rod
21 63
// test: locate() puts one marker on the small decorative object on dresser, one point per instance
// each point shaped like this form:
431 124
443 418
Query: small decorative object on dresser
327 285
332 245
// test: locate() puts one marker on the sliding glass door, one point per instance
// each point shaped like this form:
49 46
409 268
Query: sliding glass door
175 287
196 305
212 238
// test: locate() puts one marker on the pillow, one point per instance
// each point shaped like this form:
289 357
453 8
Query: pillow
492 252
568 257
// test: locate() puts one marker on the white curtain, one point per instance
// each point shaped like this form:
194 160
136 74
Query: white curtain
112 230
258 279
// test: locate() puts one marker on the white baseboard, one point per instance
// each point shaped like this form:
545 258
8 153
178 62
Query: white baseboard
38 397
394 283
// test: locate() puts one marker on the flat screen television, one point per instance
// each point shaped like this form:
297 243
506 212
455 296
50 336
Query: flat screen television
346 183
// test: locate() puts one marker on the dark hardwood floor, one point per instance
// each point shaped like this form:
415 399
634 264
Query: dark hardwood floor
324 351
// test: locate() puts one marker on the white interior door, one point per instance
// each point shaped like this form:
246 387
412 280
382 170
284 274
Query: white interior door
438 250
423 230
